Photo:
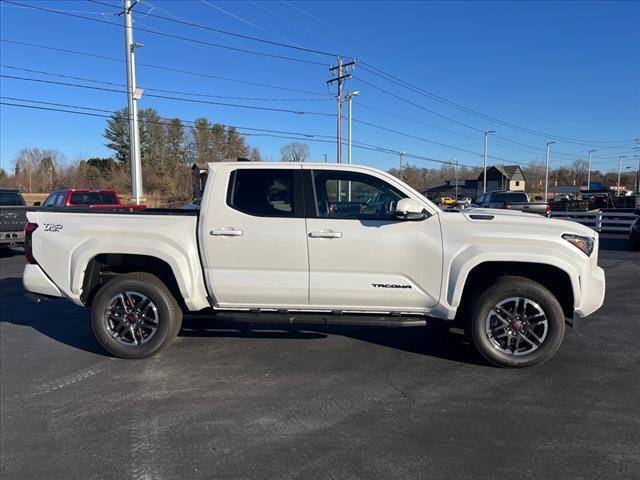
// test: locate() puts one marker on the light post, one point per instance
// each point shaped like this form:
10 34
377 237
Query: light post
456 162
349 96
486 135
325 157
589 171
402 154
546 175
620 157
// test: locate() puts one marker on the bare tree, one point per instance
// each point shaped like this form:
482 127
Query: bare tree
294 152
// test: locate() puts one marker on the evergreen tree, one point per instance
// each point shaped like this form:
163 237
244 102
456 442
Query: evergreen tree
117 134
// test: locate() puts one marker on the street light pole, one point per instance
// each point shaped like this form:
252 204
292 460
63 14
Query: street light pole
589 171
486 135
546 175
402 153
349 97
620 157
456 162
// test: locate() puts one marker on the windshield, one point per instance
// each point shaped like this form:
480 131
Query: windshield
11 199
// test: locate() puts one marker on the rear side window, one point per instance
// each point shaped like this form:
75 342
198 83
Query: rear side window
93 198
510 197
262 192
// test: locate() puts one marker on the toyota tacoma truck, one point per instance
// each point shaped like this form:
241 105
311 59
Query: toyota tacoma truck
267 242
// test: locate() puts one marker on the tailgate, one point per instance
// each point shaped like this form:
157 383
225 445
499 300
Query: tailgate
12 218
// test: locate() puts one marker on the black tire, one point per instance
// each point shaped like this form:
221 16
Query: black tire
492 349
167 311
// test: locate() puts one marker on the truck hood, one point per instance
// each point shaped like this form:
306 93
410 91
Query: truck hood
524 224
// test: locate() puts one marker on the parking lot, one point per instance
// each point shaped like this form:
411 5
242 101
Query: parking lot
258 401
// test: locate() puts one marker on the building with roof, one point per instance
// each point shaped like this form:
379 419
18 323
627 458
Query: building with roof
503 177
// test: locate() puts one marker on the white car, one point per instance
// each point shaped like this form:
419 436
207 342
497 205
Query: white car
303 238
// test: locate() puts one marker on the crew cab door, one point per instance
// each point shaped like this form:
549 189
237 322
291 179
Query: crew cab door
254 237
360 256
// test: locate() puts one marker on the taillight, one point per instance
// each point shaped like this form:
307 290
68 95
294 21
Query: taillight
29 228
547 211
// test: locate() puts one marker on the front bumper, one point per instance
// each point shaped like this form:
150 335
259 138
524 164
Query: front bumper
592 288
36 281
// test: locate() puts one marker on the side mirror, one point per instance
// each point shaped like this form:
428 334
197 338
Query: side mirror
37 204
410 209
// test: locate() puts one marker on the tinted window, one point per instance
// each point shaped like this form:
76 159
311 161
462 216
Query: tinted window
262 192
509 197
354 195
10 198
93 198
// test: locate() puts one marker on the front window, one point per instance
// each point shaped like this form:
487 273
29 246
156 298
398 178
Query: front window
354 195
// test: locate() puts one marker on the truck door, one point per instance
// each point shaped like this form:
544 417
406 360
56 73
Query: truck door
360 256
254 237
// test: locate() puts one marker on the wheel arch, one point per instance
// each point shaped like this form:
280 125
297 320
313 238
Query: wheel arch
557 280
105 266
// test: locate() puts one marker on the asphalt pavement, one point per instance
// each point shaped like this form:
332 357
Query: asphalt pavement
229 401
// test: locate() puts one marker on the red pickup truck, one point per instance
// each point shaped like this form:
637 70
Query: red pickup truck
74 197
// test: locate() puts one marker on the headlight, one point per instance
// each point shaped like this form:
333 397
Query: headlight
583 243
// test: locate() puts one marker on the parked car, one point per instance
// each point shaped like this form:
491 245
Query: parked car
76 197
447 202
13 217
464 202
634 236
512 201
510 279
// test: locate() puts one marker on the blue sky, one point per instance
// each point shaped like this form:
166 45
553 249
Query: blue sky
565 69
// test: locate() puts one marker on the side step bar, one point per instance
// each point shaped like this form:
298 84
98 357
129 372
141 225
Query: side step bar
291 318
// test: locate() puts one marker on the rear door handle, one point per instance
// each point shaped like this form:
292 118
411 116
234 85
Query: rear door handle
326 234
226 232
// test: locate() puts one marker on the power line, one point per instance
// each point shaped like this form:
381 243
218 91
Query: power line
168 97
389 77
169 35
226 32
287 135
417 105
160 67
103 82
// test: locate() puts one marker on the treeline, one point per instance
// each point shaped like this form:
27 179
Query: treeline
168 148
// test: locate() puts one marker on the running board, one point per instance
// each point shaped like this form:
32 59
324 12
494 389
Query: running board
323 318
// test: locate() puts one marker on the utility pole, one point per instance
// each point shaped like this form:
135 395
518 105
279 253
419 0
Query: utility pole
325 157
340 78
589 171
484 175
402 154
133 95
546 175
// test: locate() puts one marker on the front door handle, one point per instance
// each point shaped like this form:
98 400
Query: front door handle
226 232
326 234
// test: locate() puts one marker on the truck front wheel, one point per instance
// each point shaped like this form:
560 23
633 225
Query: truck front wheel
516 323
135 315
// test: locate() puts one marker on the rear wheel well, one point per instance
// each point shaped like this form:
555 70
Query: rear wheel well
556 280
107 266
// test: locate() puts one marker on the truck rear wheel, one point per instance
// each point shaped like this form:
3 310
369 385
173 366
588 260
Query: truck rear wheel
135 316
516 323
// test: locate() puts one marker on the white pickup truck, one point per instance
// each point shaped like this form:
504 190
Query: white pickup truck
349 244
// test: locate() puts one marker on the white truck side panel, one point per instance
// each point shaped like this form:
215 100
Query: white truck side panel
64 253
